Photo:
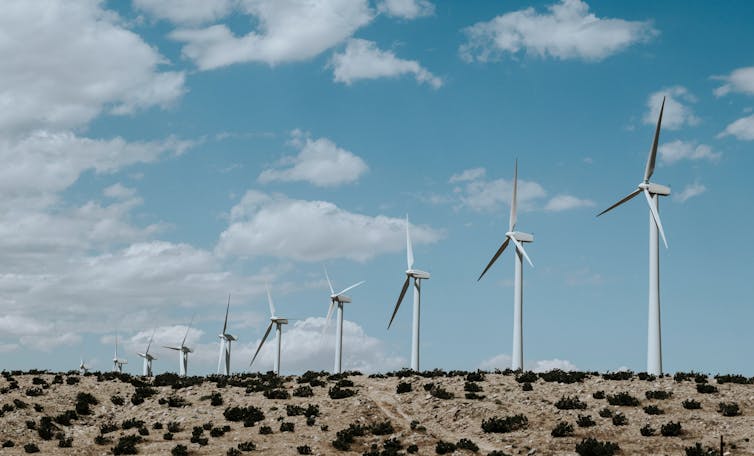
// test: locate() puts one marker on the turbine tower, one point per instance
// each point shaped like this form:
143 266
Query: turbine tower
117 362
518 238
338 299
183 352
418 276
148 358
278 322
652 192
225 341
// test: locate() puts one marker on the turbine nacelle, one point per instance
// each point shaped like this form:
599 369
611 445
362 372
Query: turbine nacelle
343 299
147 356
655 189
279 321
418 274
520 236
227 337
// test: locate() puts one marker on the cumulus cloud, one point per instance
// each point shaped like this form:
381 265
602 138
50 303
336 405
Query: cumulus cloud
186 11
566 31
406 9
362 59
468 175
91 63
677 111
567 202
690 191
739 81
503 361
678 150
480 194
285 31
320 162
742 129
302 230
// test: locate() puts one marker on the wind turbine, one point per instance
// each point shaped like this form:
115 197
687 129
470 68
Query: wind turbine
117 362
225 341
278 322
147 370
183 352
652 191
418 276
518 238
338 299
83 368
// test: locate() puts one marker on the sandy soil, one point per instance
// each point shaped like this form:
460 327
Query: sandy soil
376 400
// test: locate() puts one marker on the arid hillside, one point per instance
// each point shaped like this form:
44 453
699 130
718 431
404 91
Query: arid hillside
400 413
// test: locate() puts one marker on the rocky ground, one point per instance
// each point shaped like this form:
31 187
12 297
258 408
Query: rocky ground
95 414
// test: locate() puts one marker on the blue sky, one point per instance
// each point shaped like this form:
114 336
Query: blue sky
160 155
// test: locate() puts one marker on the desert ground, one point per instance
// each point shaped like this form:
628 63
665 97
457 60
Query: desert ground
94 414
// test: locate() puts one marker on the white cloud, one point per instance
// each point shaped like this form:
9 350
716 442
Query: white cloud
62 68
678 150
320 162
690 191
740 80
301 230
485 195
407 9
304 347
677 113
119 191
186 11
286 31
503 361
567 202
742 129
468 175
567 31
362 59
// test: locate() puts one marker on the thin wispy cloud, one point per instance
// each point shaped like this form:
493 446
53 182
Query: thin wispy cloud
675 151
678 112
689 191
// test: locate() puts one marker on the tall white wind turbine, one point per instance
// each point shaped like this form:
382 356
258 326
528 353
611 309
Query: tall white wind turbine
225 341
418 276
337 300
183 352
117 362
278 322
651 192
83 368
518 238
148 358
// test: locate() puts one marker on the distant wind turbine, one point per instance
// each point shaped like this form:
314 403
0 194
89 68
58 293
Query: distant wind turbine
225 341
117 362
518 238
148 358
418 276
338 299
83 368
183 352
278 322
651 192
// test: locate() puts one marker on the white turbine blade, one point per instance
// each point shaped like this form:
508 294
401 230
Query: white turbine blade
409 247
225 325
653 151
351 287
267 333
116 345
520 247
400 299
329 315
172 348
270 303
494 258
633 194
329 283
150 341
187 330
220 358
656 216
512 219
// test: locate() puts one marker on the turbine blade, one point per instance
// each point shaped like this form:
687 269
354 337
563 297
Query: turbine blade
400 298
150 340
633 194
520 247
227 308
494 258
656 216
183 343
346 290
220 358
171 348
409 247
267 333
269 302
329 314
512 219
329 283
650 169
